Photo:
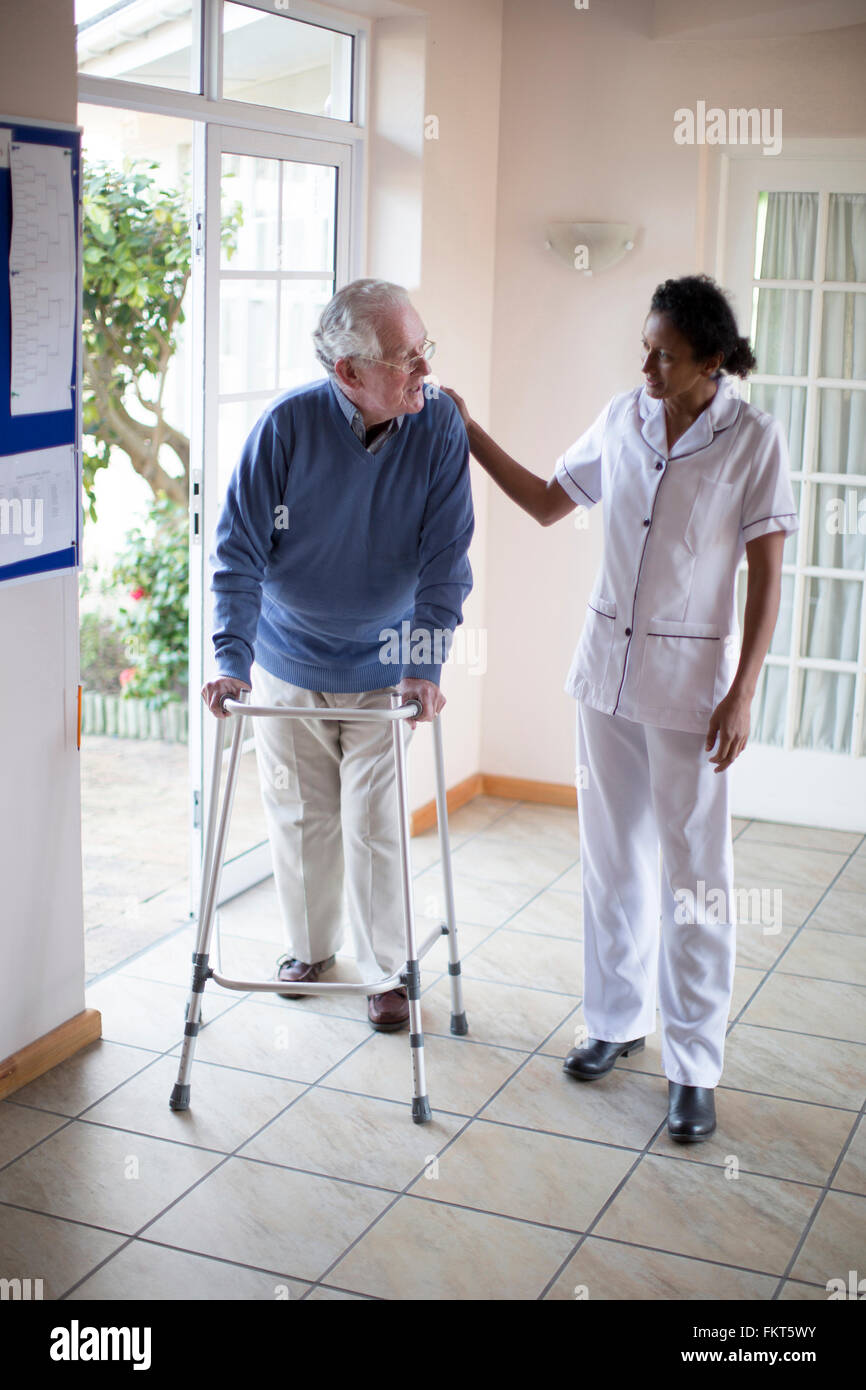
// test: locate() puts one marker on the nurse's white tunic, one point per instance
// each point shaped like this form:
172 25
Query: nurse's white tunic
658 651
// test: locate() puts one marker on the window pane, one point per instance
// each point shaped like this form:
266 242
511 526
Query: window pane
839 528
236 419
248 340
780 331
272 60
281 212
301 303
831 619
787 404
789 549
786 245
843 337
146 41
841 442
846 237
768 706
780 644
826 711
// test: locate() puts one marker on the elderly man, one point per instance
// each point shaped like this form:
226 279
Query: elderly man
344 532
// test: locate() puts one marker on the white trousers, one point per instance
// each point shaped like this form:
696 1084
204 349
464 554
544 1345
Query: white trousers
648 787
330 799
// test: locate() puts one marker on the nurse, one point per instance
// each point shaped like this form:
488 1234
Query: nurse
691 477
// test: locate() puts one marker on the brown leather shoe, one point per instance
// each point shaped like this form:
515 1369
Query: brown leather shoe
299 971
389 1011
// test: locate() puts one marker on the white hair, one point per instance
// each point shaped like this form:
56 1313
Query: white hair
349 323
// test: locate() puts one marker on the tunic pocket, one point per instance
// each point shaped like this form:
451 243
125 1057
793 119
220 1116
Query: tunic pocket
710 515
597 639
679 665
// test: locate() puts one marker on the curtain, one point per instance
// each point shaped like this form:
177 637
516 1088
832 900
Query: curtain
831 620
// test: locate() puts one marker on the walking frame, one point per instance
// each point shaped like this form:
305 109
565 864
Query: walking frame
409 975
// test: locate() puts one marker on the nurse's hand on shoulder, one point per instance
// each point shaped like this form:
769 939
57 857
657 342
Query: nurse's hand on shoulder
730 721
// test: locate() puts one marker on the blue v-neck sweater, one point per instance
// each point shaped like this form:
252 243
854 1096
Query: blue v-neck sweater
322 550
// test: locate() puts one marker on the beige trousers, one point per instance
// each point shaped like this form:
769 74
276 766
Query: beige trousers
329 794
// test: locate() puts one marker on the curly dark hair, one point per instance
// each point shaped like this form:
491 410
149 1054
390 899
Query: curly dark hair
700 310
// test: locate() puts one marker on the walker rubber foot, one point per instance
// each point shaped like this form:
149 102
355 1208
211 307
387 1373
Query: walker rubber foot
421 1113
459 1024
179 1097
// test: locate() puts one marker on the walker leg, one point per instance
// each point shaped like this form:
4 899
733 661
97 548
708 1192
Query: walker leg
421 1113
459 1026
215 842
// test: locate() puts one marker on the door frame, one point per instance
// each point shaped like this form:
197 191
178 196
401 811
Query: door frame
805 782
214 140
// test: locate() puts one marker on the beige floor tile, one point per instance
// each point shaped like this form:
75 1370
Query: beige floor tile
688 1208
570 881
502 861
622 1108
796 1292
774 866
83 1079
287 1043
759 949
144 1013
530 824
154 1273
21 1128
485 903
466 1255
799 901
800 836
780 1138
469 935
525 958
853 877
746 981
479 814
461 1074
840 911
797 1065
552 913
851 1176
57 1252
270 1217
323 1294
518 1172
226 1106
836 1241
171 962
103 1176
355 1137
609 1269
810 1006
826 955
501 1015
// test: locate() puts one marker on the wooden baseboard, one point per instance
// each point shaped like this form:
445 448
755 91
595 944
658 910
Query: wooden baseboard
49 1050
485 784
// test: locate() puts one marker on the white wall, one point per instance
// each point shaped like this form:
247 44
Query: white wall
41 930
586 134
450 273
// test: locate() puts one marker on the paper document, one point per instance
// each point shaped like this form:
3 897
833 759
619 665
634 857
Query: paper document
37 503
42 278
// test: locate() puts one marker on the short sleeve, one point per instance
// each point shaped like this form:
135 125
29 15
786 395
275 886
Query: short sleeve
768 502
578 470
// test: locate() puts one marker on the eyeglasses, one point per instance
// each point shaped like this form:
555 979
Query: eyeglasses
428 348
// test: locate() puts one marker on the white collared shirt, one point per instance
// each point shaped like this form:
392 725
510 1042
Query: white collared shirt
660 644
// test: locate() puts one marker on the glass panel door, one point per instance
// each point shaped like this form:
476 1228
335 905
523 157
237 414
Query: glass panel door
275 248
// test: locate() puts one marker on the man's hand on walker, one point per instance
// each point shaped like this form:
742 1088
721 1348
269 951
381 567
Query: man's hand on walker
429 695
730 720
214 692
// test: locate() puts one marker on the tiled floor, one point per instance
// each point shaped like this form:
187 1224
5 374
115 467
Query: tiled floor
298 1173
